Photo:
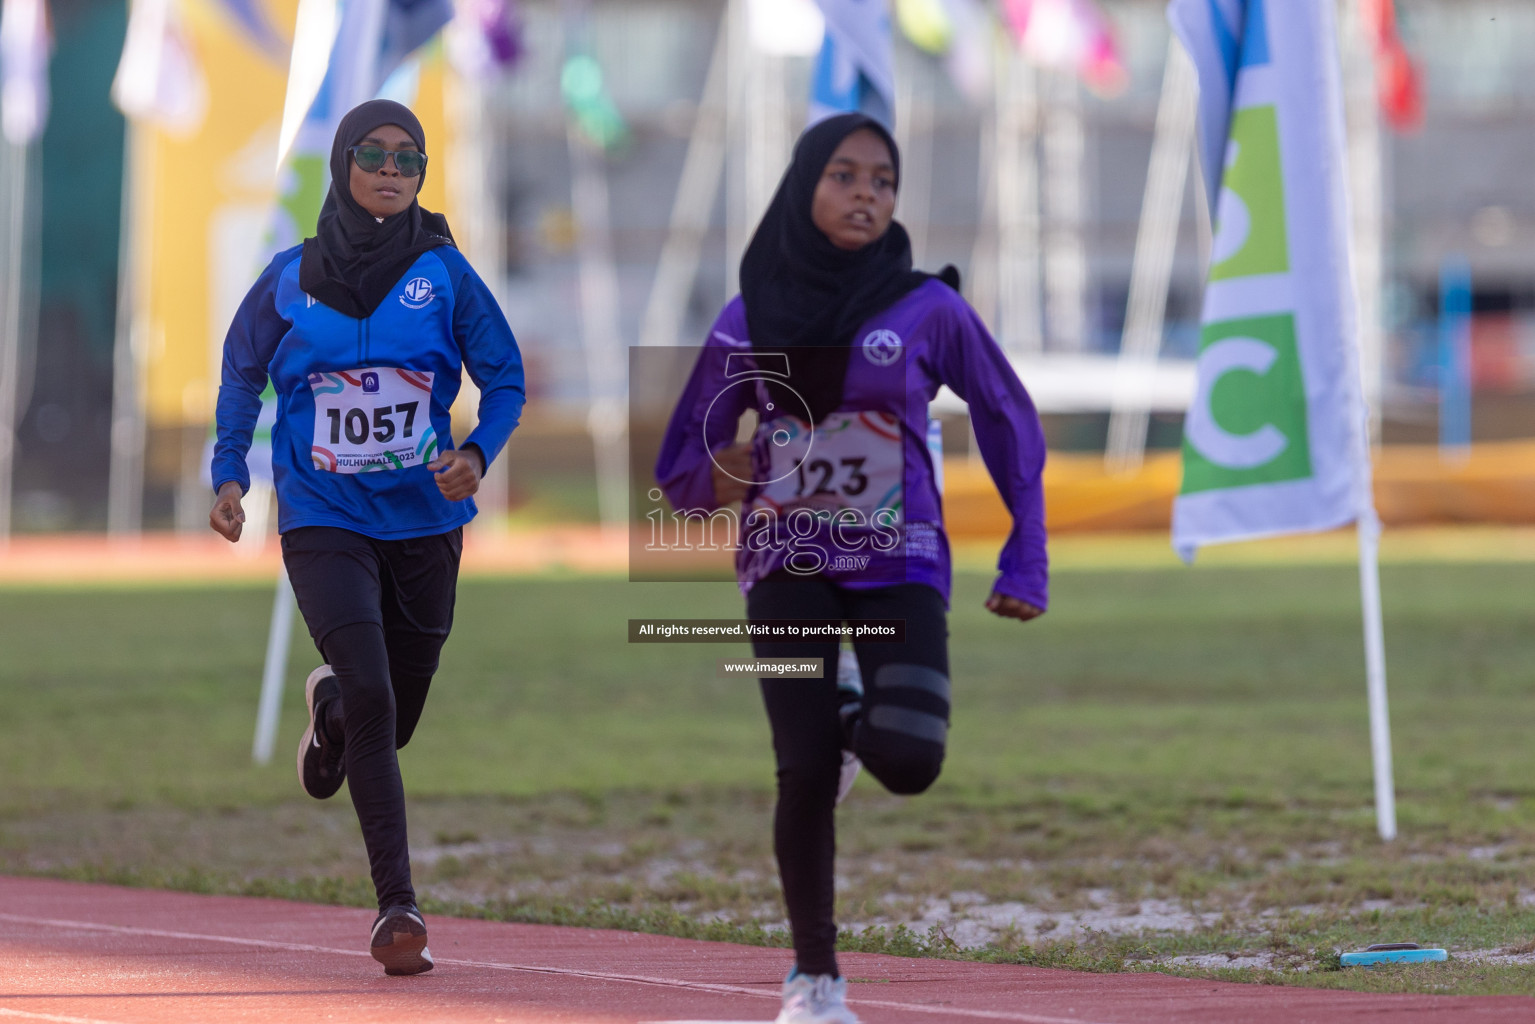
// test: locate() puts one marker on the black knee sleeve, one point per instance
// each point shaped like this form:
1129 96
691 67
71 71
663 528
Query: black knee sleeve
902 733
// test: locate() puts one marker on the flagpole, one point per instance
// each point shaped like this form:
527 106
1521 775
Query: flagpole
1362 147
602 340
1017 274
1375 673
1367 187
279 635
478 209
1151 271
125 474
914 137
981 289
702 169
737 198
1064 142
11 290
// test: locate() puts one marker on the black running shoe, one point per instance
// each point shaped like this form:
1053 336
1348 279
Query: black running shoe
399 941
321 766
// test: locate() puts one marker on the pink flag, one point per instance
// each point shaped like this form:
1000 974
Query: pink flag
1069 34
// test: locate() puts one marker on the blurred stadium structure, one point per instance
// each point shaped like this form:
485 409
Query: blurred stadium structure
1033 187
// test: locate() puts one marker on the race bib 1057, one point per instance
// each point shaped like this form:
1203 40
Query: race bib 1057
372 419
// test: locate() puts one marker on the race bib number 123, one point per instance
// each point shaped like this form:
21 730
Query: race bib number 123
851 460
373 419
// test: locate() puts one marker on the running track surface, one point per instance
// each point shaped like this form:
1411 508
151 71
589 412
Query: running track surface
96 954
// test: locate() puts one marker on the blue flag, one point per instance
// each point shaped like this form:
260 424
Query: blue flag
855 70
363 43
1214 32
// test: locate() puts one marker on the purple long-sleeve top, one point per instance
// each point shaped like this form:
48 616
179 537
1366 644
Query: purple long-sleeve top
866 473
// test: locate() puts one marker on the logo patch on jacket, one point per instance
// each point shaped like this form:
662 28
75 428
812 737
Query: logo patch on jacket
417 293
882 347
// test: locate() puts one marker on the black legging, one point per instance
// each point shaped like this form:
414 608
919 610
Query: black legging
379 612
900 736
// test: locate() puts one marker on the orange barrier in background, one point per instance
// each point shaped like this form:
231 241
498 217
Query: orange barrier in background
1413 486
203 557
1495 485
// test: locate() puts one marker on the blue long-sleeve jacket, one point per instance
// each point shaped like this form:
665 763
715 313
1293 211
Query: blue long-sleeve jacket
362 405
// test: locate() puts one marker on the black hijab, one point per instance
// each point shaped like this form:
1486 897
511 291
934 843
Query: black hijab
804 295
354 260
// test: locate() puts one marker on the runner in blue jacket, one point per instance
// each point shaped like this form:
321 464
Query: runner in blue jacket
837 346
363 332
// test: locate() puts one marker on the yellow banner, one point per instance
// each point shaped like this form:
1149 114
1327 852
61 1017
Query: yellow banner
206 201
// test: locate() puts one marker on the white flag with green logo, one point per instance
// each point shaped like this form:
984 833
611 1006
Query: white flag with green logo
1275 439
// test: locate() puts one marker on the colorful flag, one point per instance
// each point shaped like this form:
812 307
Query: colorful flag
1274 440
408 26
926 23
486 38
1072 35
158 78
24 47
1212 34
344 51
855 70
1398 80
255 25
969 57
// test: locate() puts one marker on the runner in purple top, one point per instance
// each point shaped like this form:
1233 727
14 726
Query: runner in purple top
837 346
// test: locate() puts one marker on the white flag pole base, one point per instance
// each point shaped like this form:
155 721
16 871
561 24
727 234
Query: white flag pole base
278 637
1375 674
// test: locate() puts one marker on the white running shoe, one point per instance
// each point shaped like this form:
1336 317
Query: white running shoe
850 699
321 764
849 678
815 999
851 766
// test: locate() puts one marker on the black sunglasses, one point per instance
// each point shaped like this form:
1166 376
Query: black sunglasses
409 162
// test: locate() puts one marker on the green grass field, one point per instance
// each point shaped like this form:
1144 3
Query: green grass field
1171 770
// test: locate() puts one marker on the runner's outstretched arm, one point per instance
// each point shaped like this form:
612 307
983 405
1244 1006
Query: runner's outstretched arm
1012 444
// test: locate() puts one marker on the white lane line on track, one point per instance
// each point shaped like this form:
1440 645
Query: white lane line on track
632 979
25 1015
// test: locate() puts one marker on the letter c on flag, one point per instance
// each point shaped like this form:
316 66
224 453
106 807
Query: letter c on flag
1210 439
